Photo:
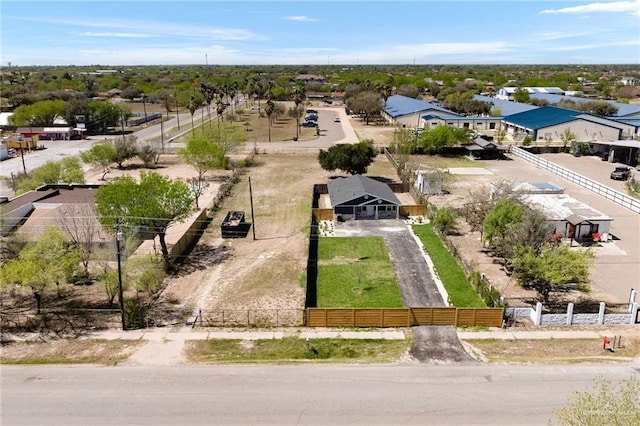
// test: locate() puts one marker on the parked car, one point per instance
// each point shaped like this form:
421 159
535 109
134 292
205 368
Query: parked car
621 173
336 119
255 107
309 123
311 117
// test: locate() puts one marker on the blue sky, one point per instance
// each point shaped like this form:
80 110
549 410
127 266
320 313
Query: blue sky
163 32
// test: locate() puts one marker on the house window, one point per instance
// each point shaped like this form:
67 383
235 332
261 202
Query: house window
465 125
492 126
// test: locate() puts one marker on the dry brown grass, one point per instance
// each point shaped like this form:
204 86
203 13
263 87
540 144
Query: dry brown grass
554 351
69 351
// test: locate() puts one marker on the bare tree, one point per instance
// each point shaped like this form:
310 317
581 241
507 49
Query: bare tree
481 200
80 222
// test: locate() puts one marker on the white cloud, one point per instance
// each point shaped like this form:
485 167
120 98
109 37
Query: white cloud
632 7
111 34
300 18
166 29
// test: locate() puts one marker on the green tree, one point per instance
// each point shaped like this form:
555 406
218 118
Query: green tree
201 153
435 140
351 158
503 218
521 95
67 170
153 204
567 136
101 154
44 266
105 114
366 103
40 114
145 273
605 404
125 148
444 220
552 268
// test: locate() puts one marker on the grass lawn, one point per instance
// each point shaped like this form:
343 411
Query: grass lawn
295 350
451 273
356 272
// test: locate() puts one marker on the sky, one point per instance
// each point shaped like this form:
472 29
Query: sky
358 32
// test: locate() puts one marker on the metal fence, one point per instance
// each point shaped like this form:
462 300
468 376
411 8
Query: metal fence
250 318
617 197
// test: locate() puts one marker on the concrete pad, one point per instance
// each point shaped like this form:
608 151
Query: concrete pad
469 171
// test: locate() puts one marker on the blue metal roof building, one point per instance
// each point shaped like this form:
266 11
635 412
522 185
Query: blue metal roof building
405 111
548 123
542 117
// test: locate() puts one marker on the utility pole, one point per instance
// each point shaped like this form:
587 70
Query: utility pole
253 218
120 291
177 111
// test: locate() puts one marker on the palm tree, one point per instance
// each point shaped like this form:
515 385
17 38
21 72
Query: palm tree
220 109
192 106
299 96
269 109
207 93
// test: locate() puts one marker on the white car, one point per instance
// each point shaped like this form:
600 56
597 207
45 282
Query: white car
336 119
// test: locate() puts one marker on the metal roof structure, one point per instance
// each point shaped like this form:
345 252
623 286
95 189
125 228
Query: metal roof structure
562 207
398 106
506 107
542 117
343 190
623 109
534 90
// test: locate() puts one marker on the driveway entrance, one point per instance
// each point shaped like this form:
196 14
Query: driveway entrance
412 273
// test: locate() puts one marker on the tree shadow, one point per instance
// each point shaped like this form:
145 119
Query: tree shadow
201 257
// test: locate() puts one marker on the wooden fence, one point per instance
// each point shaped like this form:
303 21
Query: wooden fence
322 214
403 317
415 210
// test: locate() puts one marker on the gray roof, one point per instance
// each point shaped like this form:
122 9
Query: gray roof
398 106
623 109
342 190
506 107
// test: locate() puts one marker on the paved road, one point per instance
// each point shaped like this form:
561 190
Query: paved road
282 395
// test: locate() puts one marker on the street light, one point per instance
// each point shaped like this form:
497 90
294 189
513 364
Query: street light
118 240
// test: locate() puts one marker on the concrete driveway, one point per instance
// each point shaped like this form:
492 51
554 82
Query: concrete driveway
431 344
414 278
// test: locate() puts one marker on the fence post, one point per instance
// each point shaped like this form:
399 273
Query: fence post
538 314
601 313
200 315
569 314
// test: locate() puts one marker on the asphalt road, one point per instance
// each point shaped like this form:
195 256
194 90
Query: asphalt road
282 395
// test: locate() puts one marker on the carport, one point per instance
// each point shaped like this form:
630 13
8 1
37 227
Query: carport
618 151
